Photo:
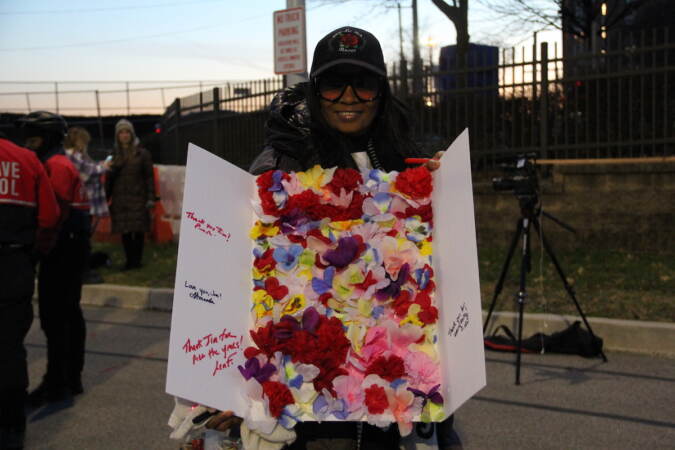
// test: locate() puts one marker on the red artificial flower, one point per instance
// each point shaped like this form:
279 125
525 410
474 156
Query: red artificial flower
305 202
296 239
266 262
402 303
376 399
367 282
423 300
278 395
323 298
251 352
264 338
431 286
428 315
326 349
264 180
347 179
388 368
267 202
425 213
274 289
415 182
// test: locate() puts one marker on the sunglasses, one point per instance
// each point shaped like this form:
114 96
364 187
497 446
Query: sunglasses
366 88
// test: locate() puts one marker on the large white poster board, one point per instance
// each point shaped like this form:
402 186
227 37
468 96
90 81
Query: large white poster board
209 327
209 323
457 284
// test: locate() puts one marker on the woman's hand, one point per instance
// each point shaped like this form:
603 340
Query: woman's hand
434 163
223 421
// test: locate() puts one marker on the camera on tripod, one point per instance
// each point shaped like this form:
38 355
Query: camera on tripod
521 180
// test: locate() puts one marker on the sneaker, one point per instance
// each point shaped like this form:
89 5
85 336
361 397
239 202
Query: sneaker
46 394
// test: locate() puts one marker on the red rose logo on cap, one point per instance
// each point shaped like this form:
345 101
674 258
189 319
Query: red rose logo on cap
348 41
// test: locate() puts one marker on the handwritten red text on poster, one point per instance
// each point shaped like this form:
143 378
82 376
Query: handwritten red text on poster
220 348
205 227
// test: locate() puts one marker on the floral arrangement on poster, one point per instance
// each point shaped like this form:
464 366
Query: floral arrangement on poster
344 318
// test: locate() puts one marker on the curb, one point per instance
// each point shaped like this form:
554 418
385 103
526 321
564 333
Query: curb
656 338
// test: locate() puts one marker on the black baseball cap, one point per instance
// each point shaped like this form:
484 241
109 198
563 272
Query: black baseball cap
348 45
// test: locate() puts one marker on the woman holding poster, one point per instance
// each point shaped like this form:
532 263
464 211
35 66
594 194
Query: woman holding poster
344 117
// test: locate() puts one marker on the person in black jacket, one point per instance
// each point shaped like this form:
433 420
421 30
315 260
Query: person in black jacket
29 215
345 116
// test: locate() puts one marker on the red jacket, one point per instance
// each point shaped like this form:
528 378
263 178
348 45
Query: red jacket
27 200
66 182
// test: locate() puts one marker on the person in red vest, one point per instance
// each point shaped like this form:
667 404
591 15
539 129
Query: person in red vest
61 271
29 214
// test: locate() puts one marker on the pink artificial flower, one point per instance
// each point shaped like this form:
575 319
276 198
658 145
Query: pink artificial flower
348 388
395 254
401 337
375 344
404 406
423 372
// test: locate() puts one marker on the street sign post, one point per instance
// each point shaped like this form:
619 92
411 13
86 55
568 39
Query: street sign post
290 41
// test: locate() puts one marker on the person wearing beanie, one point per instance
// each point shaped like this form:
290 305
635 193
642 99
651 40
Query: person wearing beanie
345 116
130 185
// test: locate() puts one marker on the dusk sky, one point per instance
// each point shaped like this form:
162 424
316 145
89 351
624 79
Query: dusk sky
121 40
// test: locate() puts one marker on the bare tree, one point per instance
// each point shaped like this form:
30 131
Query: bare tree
580 18
458 13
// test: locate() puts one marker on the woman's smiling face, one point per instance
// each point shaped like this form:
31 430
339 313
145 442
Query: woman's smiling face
349 114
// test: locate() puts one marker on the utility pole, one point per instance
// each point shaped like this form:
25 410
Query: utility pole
417 60
403 65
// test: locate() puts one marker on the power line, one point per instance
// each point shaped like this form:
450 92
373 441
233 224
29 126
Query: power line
94 10
112 41
115 41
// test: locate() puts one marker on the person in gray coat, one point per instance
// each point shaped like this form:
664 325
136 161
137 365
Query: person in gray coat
131 185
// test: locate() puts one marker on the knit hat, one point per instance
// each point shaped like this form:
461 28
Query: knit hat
124 124
348 45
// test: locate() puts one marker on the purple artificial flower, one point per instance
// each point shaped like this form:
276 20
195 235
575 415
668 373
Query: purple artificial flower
277 177
348 250
292 221
252 369
310 319
432 395
289 324
393 290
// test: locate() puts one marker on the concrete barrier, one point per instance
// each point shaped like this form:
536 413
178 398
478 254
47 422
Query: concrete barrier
656 338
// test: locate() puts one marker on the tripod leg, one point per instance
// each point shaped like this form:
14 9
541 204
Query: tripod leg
522 290
568 288
502 275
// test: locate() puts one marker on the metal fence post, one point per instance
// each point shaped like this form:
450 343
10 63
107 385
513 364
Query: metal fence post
176 127
100 120
216 118
543 123
128 103
56 96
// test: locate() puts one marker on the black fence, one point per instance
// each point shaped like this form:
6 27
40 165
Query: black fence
616 103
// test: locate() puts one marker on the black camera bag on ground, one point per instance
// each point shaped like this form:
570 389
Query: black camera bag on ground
573 340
